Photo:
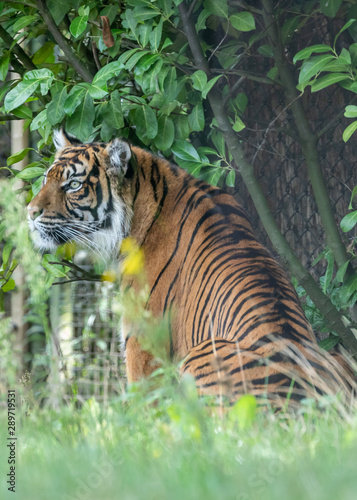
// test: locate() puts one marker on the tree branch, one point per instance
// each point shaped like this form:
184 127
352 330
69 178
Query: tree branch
8 118
71 56
17 50
332 316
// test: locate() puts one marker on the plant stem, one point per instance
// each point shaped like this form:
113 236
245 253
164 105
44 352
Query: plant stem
332 316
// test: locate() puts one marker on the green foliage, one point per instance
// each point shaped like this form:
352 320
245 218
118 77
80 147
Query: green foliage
336 68
165 443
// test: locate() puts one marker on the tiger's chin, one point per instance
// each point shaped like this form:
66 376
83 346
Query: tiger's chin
101 244
43 241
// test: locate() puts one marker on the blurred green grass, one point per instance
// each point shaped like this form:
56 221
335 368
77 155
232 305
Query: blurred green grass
168 444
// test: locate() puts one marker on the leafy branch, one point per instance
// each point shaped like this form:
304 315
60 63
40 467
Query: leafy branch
331 314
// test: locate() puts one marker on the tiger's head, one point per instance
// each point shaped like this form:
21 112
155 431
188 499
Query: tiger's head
84 197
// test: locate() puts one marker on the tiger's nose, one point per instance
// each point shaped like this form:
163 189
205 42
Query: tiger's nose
34 211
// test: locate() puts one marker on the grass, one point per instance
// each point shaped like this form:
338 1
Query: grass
167 444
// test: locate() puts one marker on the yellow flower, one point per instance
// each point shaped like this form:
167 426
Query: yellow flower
133 262
109 275
128 245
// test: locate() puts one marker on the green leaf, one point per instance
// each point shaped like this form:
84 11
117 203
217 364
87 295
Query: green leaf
199 80
30 173
4 66
169 87
327 80
351 111
75 97
329 271
59 9
130 20
22 23
57 271
238 124
349 221
266 50
36 186
345 57
15 158
182 128
305 53
312 66
146 122
98 92
80 124
144 31
330 7
349 131
230 179
155 37
185 150
107 72
244 21
217 7
44 53
354 192
240 102
196 119
347 290
244 410
209 85
166 133
39 74
218 141
329 343
6 253
133 61
113 115
40 120
193 168
22 112
110 11
10 285
78 25
55 110
344 28
126 55
44 76
215 175
19 94
340 275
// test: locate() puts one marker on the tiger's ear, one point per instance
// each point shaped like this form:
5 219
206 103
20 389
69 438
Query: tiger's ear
61 139
119 154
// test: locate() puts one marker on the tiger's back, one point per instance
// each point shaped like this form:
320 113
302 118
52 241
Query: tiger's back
234 317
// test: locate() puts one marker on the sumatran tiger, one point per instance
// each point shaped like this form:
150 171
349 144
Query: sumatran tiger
236 321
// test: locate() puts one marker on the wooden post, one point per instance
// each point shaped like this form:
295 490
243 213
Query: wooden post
19 141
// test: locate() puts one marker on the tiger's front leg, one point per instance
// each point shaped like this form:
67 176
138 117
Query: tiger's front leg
138 362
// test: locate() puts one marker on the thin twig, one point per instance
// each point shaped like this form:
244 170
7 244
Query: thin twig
271 124
95 55
220 43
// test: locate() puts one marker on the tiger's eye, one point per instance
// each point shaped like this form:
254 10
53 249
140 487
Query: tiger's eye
75 184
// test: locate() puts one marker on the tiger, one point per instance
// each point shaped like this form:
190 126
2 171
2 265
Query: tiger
236 323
